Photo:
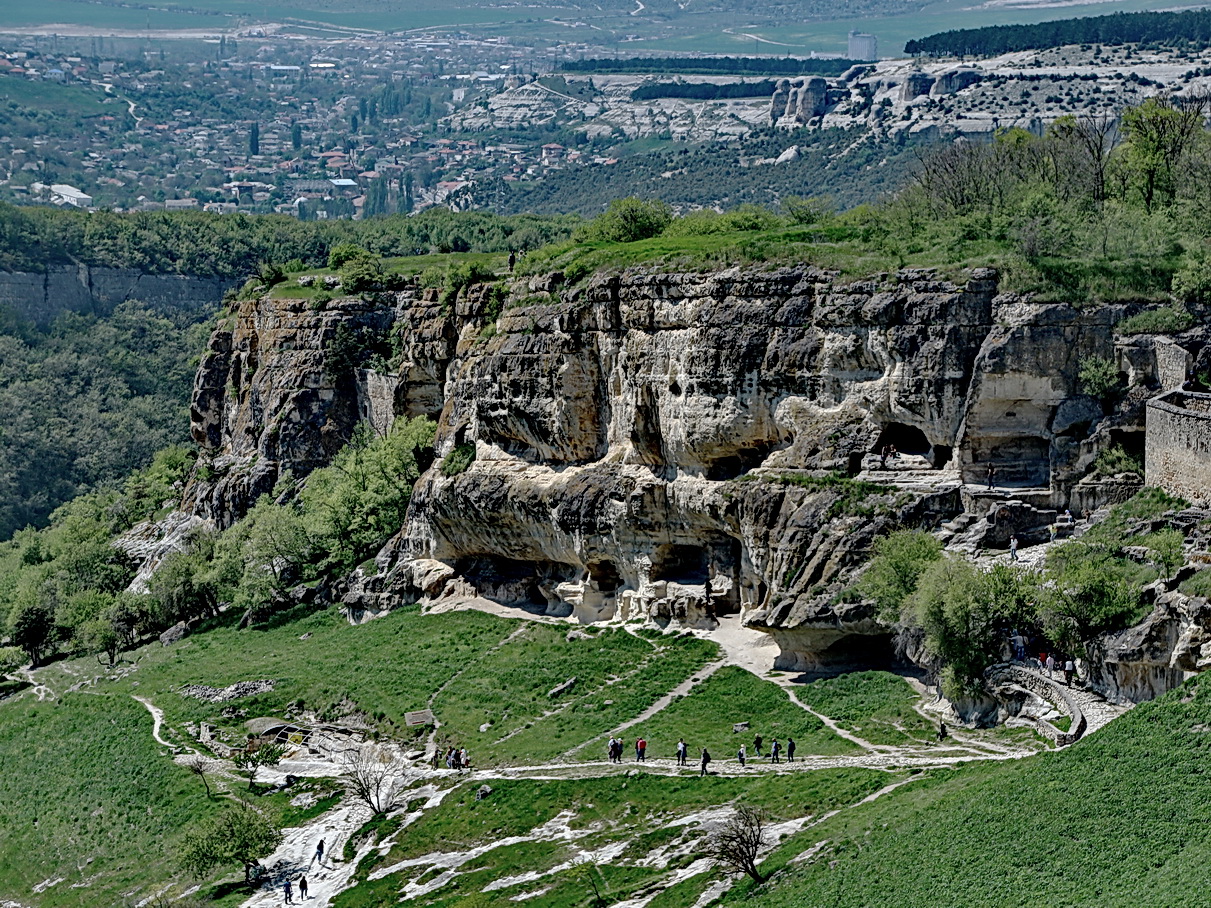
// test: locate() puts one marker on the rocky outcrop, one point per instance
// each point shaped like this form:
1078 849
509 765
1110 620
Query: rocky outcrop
41 298
670 446
798 100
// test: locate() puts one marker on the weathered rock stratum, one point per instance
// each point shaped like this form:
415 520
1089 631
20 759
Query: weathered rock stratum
675 446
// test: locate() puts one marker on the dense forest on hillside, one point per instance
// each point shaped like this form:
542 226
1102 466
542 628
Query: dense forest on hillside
1189 29
843 164
703 91
231 246
723 66
88 400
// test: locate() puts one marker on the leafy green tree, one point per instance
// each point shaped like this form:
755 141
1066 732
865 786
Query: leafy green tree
1159 133
1090 592
897 562
240 835
1168 551
11 659
630 219
251 762
31 626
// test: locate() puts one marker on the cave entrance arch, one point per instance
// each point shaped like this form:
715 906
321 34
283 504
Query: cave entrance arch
684 564
906 439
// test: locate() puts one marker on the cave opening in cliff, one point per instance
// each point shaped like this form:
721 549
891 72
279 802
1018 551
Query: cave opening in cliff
857 652
905 439
737 464
685 564
604 574
513 582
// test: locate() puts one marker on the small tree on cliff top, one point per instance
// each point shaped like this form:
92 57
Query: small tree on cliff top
239 835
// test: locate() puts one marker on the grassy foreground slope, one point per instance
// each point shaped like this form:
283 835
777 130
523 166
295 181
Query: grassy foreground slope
1118 819
88 799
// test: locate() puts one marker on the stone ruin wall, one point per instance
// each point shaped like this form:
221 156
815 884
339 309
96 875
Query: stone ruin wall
1178 448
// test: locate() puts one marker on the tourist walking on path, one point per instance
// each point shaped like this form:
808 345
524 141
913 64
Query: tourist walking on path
790 749
991 475
682 752
319 853
641 750
302 887
757 745
740 755
706 758
1050 665
287 891
1069 668
1013 548
774 750
942 732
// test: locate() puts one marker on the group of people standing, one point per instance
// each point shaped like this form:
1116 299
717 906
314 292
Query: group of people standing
1047 661
616 746
455 758
775 750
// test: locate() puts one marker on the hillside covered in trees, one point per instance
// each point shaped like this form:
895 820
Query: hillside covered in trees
1187 29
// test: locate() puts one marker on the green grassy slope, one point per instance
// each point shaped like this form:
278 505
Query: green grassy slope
1118 819
87 797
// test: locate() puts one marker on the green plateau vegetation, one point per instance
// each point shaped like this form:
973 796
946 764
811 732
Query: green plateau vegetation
877 706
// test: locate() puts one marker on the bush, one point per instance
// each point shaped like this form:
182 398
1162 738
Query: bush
361 274
630 219
1100 378
1192 281
458 460
1167 320
1115 460
345 252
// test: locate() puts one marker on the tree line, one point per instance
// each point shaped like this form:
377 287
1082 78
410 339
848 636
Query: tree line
703 91
233 245
1186 29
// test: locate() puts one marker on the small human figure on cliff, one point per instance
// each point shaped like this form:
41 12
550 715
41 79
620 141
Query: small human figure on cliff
741 755
790 749
303 888
775 750
1050 665
512 260
319 853
757 745
942 732
991 475
1052 529
1069 668
706 758
641 750
1013 548
288 892
682 752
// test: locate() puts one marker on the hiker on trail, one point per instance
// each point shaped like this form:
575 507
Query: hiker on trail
464 760
942 732
757 744
682 752
512 260
319 853
303 887
1050 666
1013 547
610 749
1069 668
790 749
740 755
641 750
706 758
774 749
1052 529
288 892
991 475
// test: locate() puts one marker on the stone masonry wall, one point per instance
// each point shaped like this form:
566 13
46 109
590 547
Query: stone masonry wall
1178 446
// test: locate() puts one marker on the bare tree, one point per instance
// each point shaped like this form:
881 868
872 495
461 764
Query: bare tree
199 766
374 775
737 844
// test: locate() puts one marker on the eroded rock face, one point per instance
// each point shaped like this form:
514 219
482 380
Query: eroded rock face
654 444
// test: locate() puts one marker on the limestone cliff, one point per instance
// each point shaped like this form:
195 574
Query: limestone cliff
669 445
